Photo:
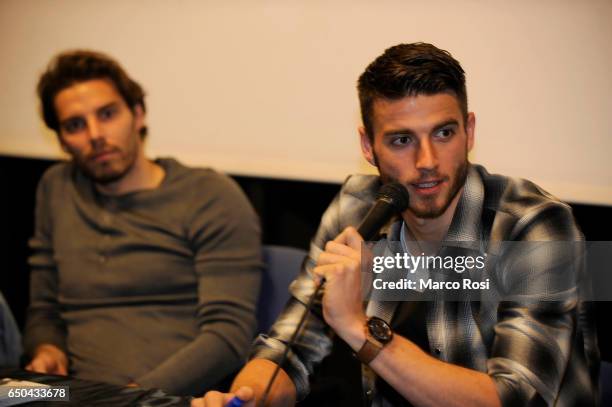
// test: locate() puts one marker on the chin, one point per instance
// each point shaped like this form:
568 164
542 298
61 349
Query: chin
104 175
106 179
428 214
430 211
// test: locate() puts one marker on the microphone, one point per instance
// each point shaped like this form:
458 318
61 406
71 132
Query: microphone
391 199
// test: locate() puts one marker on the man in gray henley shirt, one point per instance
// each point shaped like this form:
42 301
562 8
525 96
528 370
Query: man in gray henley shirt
143 272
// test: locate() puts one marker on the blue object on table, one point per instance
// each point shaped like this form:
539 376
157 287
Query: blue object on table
235 402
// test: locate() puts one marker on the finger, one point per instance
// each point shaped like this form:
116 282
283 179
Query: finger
213 399
38 366
245 393
228 397
198 402
56 367
354 239
327 272
317 278
341 238
242 398
350 237
326 258
61 370
341 249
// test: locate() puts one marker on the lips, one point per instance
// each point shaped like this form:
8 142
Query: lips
428 187
429 184
103 155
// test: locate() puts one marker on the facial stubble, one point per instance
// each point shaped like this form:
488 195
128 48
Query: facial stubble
430 212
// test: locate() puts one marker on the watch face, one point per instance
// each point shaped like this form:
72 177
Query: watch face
380 330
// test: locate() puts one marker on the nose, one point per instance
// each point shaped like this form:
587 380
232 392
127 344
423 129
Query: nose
426 158
96 134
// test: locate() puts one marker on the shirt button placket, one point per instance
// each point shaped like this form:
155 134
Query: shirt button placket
107 219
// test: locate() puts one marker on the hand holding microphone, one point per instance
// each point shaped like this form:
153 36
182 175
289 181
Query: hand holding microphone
339 266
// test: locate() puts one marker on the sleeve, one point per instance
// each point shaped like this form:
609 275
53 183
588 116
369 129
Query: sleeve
537 316
224 233
315 340
44 323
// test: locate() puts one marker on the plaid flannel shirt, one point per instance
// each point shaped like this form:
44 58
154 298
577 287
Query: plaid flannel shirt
538 353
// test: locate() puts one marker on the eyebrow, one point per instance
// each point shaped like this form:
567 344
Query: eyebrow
106 106
410 132
450 122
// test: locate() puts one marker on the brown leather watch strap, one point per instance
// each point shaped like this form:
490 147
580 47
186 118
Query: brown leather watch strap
370 349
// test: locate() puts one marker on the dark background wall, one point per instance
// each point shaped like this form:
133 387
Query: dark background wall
289 211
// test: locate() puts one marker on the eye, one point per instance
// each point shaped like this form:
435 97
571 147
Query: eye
401 140
107 112
445 133
73 125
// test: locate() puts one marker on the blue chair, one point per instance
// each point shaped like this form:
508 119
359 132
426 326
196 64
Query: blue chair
282 265
10 338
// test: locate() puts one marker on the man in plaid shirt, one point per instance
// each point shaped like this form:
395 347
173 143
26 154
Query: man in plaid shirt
417 130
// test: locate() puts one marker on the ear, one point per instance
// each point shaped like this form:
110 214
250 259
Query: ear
139 117
367 149
470 128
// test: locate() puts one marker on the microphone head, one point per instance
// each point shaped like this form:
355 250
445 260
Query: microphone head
395 194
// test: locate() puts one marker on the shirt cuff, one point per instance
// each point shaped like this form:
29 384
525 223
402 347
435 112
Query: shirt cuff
272 349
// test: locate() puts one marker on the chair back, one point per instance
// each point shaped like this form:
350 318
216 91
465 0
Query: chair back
10 337
282 265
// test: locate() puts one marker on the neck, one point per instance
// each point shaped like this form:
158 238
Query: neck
432 229
144 174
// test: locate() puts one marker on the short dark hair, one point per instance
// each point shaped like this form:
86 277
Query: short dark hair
71 67
410 70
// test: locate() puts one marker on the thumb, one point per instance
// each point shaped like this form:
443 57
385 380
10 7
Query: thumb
244 393
38 365
351 237
61 369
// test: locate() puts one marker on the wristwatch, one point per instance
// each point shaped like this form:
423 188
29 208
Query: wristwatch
378 334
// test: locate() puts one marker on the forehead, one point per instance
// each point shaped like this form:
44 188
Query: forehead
417 113
84 97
